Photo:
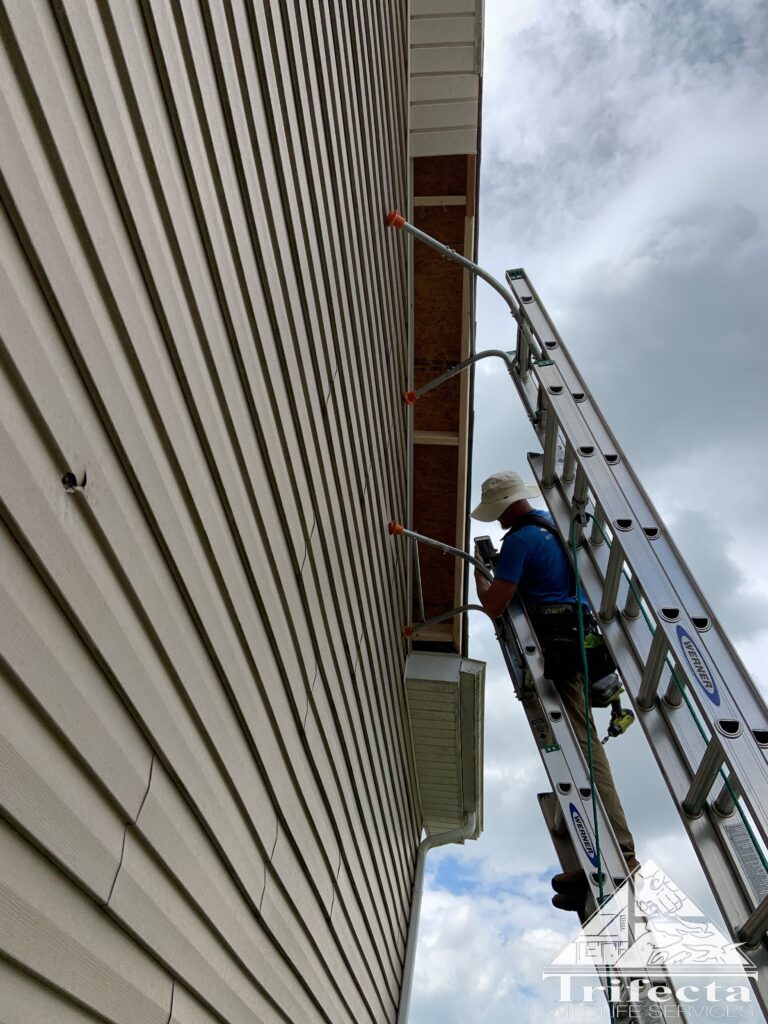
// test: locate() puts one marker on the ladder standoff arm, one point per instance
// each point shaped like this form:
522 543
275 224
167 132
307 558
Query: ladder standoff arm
395 219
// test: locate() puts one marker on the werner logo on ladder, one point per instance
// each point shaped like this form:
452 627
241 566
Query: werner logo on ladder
701 713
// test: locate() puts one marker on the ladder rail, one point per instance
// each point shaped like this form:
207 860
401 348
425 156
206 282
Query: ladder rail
713 696
558 746
685 586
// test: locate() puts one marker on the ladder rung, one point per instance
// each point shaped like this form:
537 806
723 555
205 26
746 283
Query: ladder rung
550 444
611 584
704 779
569 464
725 804
595 535
579 503
631 605
653 669
673 695
756 925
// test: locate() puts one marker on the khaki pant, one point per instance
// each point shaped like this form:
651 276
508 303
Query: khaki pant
572 695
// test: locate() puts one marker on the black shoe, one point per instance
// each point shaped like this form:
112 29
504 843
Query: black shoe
574 901
570 882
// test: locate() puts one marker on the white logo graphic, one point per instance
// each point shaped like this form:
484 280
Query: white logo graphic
650 928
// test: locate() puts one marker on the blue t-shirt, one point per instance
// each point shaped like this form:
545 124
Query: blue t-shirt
535 559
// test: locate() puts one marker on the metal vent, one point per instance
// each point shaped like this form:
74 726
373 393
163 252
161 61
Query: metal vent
445 695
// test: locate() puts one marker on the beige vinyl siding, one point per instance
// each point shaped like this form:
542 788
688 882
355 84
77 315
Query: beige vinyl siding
207 786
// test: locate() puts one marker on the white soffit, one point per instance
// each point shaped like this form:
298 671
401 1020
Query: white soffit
445 695
446 63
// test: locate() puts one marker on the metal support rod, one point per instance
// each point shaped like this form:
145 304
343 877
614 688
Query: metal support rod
396 220
704 779
412 396
654 665
415 628
399 530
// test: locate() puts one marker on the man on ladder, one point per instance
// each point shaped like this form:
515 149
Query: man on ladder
533 563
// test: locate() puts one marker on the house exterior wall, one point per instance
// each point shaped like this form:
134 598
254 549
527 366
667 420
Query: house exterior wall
206 796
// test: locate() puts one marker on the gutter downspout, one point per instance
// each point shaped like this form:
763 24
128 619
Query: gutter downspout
441 839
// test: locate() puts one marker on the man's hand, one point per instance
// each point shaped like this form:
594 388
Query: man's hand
493 596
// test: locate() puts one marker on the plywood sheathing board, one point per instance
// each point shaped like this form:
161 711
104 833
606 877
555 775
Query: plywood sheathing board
435 469
438 303
441 339
440 175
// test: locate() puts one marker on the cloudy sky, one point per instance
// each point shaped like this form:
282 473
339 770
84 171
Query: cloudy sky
625 166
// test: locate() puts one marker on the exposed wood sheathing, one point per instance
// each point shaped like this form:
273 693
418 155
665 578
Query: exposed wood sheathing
207 806
441 339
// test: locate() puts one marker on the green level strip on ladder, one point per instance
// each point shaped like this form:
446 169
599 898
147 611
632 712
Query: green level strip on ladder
652 628
587 708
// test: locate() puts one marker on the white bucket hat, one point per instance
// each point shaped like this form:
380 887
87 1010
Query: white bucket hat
499 491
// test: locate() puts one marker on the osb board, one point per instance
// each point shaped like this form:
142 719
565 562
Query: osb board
435 477
438 294
440 175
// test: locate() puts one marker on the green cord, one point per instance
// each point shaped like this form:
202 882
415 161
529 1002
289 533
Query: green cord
587 710
702 731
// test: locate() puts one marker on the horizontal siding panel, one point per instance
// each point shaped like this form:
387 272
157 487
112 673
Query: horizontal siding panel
189 1010
435 8
437 60
204 320
453 114
435 88
49 796
52 929
439 143
150 906
27 999
349 921
432 31
168 825
302 926
56 672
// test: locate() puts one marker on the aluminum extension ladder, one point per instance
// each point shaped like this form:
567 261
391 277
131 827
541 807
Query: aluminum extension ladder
701 712
567 809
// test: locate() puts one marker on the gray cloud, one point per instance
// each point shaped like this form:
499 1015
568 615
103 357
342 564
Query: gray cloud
624 166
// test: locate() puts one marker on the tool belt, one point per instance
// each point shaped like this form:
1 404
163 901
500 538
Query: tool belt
557 629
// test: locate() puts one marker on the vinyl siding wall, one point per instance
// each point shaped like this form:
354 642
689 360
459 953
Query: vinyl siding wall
205 781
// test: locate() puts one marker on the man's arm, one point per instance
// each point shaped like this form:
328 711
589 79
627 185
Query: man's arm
494 596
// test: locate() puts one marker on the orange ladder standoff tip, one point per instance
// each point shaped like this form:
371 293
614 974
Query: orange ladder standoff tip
394 527
395 219
410 397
